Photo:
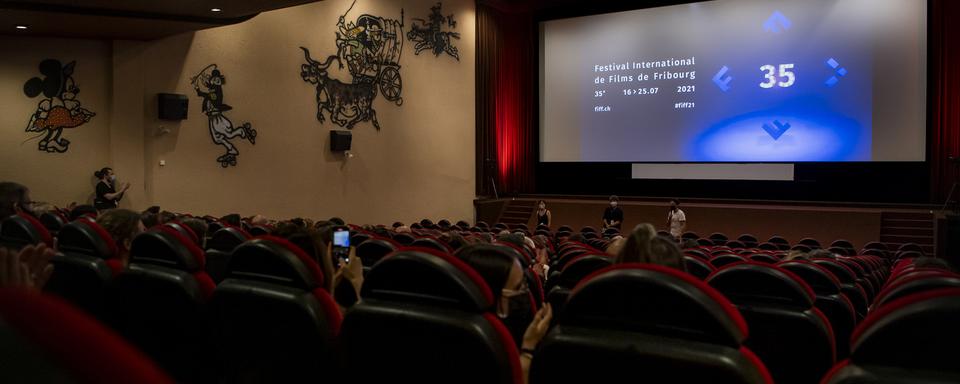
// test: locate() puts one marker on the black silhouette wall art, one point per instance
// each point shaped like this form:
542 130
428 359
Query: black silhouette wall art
209 86
370 48
430 35
59 108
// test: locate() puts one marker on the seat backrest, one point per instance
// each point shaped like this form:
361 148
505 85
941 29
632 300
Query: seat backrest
787 332
726 259
21 230
220 248
372 250
698 267
425 306
916 283
575 271
53 221
87 262
880 345
159 303
45 340
848 285
836 307
679 330
275 321
749 240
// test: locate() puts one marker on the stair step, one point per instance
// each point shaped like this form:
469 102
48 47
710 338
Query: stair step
906 231
906 223
921 240
906 215
927 248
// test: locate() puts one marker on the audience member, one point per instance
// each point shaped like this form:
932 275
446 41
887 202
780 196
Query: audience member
149 219
616 245
122 225
796 255
504 275
14 198
544 217
821 254
232 220
644 246
613 215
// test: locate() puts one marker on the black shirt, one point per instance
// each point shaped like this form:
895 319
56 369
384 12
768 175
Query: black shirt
613 214
101 202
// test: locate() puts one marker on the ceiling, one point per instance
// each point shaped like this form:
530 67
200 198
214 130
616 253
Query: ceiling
127 19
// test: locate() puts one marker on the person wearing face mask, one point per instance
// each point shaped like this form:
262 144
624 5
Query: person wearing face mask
543 214
613 215
504 275
676 219
108 197
14 199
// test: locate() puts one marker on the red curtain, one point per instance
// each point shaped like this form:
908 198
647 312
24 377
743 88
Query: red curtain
945 97
506 140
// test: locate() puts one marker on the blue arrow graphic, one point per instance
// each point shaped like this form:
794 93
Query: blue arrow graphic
776 22
777 129
721 80
840 72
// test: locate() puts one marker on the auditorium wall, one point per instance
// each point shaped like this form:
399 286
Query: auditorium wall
419 164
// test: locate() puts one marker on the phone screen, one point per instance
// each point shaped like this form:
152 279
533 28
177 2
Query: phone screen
341 245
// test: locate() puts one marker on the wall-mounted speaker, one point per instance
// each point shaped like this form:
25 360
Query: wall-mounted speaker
340 140
172 106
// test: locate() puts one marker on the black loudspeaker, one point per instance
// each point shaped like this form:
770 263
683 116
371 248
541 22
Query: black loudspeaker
340 140
172 106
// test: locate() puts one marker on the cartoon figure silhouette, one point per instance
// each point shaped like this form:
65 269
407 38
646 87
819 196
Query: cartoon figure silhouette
429 35
59 109
209 86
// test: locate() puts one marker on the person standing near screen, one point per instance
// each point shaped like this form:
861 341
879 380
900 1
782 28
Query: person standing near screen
676 219
108 196
613 215
543 214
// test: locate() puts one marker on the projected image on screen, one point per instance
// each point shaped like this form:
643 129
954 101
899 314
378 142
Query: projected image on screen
737 81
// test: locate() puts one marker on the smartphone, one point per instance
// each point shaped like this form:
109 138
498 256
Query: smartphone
341 245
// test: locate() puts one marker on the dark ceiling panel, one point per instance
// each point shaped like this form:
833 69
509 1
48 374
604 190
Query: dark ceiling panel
127 19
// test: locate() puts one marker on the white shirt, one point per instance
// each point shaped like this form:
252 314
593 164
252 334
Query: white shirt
677 219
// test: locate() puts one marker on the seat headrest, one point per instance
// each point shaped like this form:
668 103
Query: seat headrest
275 260
22 229
226 239
52 221
755 283
184 230
430 277
166 247
372 250
672 304
842 272
88 238
924 319
581 267
915 284
726 259
429 242
822 281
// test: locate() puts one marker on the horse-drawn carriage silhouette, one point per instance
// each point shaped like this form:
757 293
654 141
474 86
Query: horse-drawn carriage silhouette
371 47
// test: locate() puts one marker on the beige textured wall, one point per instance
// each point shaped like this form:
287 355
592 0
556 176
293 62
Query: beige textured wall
419 165
58 178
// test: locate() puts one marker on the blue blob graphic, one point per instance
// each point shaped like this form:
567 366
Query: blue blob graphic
815 134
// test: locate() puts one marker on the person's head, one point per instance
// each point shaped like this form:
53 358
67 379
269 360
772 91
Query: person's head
674 204
199 228
932 262
337 221
105 174
796 254
542 204
502 273
616 245
166 217
232 219
821 254
150 219
614 201
122 225
14 198
154 209
644 246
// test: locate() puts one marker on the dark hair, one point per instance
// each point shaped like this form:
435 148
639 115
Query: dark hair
675 201
12 195
492 262
337 221
155 209
397 224
645 246
82 210
122 224
232 219
150 219
102 172
199 227
166 217
821 254
541 201
932 262
614 198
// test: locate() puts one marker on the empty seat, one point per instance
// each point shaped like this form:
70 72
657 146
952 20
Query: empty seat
698 267
836 307
425 318
848 285
911 340
734 244
45 340
275 321
689 236
20 230
85 265
810 242
768 246
429 242
726 259
53 221
572 274
764 258
787 332
718 238
219 249
679 330
915 283
841 243
259 230
371 251
159 304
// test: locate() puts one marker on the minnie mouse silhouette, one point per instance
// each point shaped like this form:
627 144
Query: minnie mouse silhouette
60 109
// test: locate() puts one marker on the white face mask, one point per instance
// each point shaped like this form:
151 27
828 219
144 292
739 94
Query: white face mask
613 204
542 206
113 178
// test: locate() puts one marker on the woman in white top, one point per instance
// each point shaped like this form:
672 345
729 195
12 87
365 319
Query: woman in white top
676 219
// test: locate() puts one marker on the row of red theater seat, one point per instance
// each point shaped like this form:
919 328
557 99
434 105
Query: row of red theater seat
615 322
